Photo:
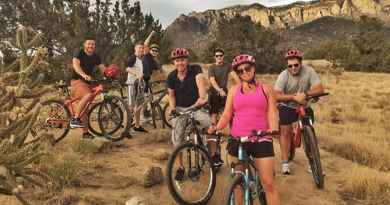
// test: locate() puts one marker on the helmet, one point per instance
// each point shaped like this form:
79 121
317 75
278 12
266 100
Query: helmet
243 58
112 71
294 54
179 53
154 46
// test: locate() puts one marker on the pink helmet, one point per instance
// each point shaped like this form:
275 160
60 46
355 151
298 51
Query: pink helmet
112 71
294 54
179 53
243 58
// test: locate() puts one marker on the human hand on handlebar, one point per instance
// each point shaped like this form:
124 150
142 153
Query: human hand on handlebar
300 98
86 77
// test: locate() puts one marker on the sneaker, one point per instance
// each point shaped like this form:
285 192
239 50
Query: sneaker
75 122
140 129
180 174
217 161
285 169
88 135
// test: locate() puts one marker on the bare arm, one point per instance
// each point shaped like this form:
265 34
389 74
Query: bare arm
202 90
133 71
281 97
215 84
147 42
77 68
171 99
228 111
101 68
272 113
316 90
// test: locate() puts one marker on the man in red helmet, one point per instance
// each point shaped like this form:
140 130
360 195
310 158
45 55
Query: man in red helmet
83 63
292 87
186 88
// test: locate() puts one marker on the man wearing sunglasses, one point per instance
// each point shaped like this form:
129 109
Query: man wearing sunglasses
218 76
291 88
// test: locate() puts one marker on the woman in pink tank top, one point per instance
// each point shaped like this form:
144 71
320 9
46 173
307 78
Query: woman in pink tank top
252 105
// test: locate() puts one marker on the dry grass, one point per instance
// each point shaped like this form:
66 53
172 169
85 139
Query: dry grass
368 185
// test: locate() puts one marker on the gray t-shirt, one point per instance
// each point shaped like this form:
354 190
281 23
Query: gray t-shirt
289 84
221 75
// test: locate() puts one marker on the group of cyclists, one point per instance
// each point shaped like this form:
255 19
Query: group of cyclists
248 105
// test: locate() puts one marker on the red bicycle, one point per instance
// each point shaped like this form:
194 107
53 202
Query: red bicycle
304 130
104 118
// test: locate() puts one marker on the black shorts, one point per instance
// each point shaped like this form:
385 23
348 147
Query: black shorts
253 149
287 115
216 103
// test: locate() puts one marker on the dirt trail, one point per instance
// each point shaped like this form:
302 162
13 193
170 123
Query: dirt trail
117 168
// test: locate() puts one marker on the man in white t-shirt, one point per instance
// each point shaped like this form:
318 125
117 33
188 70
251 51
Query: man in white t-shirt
135 81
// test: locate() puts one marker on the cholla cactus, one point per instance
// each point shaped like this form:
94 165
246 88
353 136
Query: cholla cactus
20 93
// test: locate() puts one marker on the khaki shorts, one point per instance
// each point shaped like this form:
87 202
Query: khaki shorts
79 88
179 125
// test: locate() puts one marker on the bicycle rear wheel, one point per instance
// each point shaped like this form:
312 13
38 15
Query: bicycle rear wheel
313 155
53 119
198 183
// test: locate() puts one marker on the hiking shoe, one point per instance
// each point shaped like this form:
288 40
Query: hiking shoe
285 169
180 174
140 129
75 122
88 135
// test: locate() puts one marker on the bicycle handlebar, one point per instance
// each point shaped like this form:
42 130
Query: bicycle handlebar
317 96
176 113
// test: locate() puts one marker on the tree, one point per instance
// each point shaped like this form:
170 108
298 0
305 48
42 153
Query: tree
241 35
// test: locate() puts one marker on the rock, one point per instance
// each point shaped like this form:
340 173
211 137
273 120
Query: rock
3 172
160 155
152 176
136 201
95 145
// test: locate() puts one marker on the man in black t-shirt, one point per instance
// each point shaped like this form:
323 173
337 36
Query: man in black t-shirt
84 62
186 88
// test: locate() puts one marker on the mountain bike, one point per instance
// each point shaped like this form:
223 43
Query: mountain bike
304 131
198 183
104 117
152 99
248 180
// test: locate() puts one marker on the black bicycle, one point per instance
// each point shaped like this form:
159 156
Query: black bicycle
152 99
197 184
305 131
246 180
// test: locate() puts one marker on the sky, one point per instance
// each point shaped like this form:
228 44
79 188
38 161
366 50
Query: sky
167 10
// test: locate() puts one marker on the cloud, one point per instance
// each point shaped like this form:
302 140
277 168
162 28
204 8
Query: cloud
167 10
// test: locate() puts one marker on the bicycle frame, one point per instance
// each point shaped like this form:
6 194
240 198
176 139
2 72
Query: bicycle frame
95 92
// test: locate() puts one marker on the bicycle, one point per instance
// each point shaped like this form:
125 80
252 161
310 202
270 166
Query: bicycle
55 114
304 130
249 178
150 100
198 164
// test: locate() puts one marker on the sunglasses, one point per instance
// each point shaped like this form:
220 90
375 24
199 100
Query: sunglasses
293 65
218 56
153 50
247 69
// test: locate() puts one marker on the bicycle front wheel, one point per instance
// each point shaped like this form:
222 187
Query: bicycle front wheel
196 184
165 116
235 193
313 155
53 119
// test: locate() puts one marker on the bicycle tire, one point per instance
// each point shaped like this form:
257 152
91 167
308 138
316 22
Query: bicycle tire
313 155
165 115
97 109
207 196
66 117
237 181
